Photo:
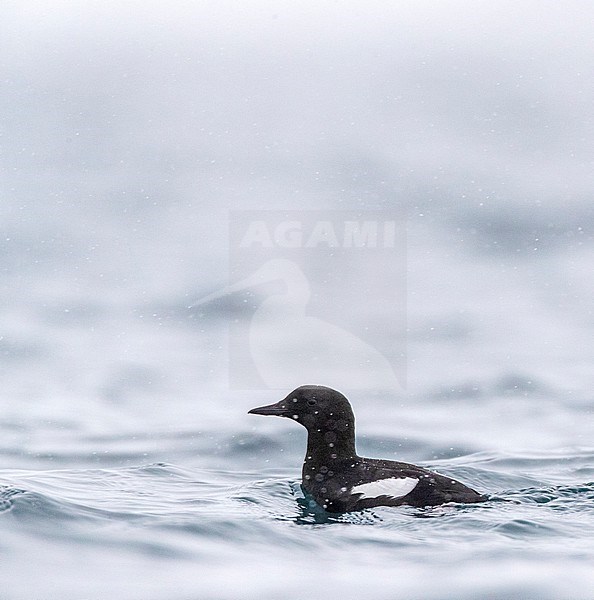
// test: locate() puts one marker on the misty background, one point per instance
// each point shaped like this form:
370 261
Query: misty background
128 133
130 130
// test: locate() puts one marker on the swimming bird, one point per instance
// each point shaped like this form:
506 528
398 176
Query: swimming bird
338 478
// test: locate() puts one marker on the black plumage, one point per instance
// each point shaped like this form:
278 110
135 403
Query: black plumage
338 478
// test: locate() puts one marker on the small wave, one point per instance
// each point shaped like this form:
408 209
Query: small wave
7 497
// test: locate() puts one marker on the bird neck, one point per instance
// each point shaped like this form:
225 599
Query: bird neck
330 444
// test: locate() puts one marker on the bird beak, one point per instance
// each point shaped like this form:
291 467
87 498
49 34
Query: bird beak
279 410
249 282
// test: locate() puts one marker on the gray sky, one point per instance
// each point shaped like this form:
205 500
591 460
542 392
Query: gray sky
465 93
127 122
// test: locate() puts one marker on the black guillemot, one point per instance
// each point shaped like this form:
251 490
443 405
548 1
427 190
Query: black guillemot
341 481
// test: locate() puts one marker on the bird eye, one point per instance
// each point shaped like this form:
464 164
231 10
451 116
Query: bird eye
311 402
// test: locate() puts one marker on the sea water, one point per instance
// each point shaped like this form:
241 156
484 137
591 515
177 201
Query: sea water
129 467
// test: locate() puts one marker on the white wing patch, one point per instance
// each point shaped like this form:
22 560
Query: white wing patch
395 487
